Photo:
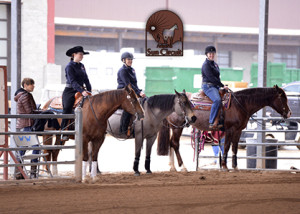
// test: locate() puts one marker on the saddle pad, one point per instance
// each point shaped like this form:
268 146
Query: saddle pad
204 105
56 102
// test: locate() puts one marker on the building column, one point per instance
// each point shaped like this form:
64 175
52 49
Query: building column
51 32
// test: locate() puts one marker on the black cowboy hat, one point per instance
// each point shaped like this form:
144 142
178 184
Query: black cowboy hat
76 49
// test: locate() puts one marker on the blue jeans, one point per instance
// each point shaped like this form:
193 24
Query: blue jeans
213 93
28 129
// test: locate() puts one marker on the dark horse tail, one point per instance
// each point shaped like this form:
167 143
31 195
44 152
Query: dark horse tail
163 139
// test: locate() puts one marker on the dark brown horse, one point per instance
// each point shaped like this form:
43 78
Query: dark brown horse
96 110
244 103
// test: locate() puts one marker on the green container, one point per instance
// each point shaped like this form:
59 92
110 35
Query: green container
163 80
291 75
275 74
231 74
254 72
159 80
184 79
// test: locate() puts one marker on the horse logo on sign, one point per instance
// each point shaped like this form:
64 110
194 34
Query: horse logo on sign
164 34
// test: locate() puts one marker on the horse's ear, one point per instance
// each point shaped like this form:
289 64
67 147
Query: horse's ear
178 94
127 88
183 91
276 86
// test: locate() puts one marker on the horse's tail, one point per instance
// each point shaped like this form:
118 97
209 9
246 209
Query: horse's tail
163 139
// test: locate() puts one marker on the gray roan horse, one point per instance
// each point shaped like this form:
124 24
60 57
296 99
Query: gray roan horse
244 103
156 108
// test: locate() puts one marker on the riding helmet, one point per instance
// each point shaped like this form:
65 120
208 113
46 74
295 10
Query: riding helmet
126 55
210 49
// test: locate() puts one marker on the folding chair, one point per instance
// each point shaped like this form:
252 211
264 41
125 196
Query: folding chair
29 141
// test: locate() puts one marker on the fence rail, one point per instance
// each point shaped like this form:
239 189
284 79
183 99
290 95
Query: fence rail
262 144
78 141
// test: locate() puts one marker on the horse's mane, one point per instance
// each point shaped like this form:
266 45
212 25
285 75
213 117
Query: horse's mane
162 101
254 95
108 96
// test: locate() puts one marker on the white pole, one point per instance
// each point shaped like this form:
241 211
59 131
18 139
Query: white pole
262 71
78 144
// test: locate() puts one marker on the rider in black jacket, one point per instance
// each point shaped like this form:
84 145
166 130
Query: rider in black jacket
76 79
211 83
126 75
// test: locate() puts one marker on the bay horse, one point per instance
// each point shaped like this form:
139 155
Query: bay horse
95 112
243 104
156 108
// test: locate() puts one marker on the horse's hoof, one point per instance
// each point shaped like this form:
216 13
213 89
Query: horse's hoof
95 179
183 170
236 169
224 169
148 172
137 173
86 179
173 169
54 170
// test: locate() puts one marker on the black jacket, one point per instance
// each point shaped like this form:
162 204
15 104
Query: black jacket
76 76
126 75
211 73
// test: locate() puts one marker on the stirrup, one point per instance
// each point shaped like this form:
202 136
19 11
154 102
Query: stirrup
128 132
65 138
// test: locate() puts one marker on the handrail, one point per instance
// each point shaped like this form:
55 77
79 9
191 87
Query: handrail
38 116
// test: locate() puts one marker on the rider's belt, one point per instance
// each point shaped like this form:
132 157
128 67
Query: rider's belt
68 86
207 83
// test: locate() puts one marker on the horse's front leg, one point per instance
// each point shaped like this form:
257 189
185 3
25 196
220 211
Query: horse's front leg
96 144
138 147
55 153
150 142
228 138
235 142
85 158
171 160
90 159
47 140
175 145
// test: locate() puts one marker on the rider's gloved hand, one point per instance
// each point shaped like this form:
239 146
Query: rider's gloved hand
85 93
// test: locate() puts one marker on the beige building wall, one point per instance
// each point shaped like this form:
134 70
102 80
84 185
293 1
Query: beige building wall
34 43
244 60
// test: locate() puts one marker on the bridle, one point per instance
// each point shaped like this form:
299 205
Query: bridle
132 100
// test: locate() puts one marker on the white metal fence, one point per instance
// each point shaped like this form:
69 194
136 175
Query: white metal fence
78 142
264 155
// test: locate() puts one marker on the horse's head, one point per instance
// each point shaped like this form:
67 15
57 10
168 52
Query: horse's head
280 103
183 107
132 104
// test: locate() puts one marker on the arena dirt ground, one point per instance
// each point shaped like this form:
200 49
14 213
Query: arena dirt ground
163 192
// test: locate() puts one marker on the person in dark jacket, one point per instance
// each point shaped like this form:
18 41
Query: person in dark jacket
126 75
26 105
77 78
211 83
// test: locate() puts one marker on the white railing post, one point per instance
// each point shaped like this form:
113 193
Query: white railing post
78 144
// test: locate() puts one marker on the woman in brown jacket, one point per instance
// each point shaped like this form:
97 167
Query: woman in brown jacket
26 105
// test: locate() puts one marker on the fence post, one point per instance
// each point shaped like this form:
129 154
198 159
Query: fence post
78 143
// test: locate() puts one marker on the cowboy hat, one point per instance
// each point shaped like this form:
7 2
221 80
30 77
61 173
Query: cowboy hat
75 49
